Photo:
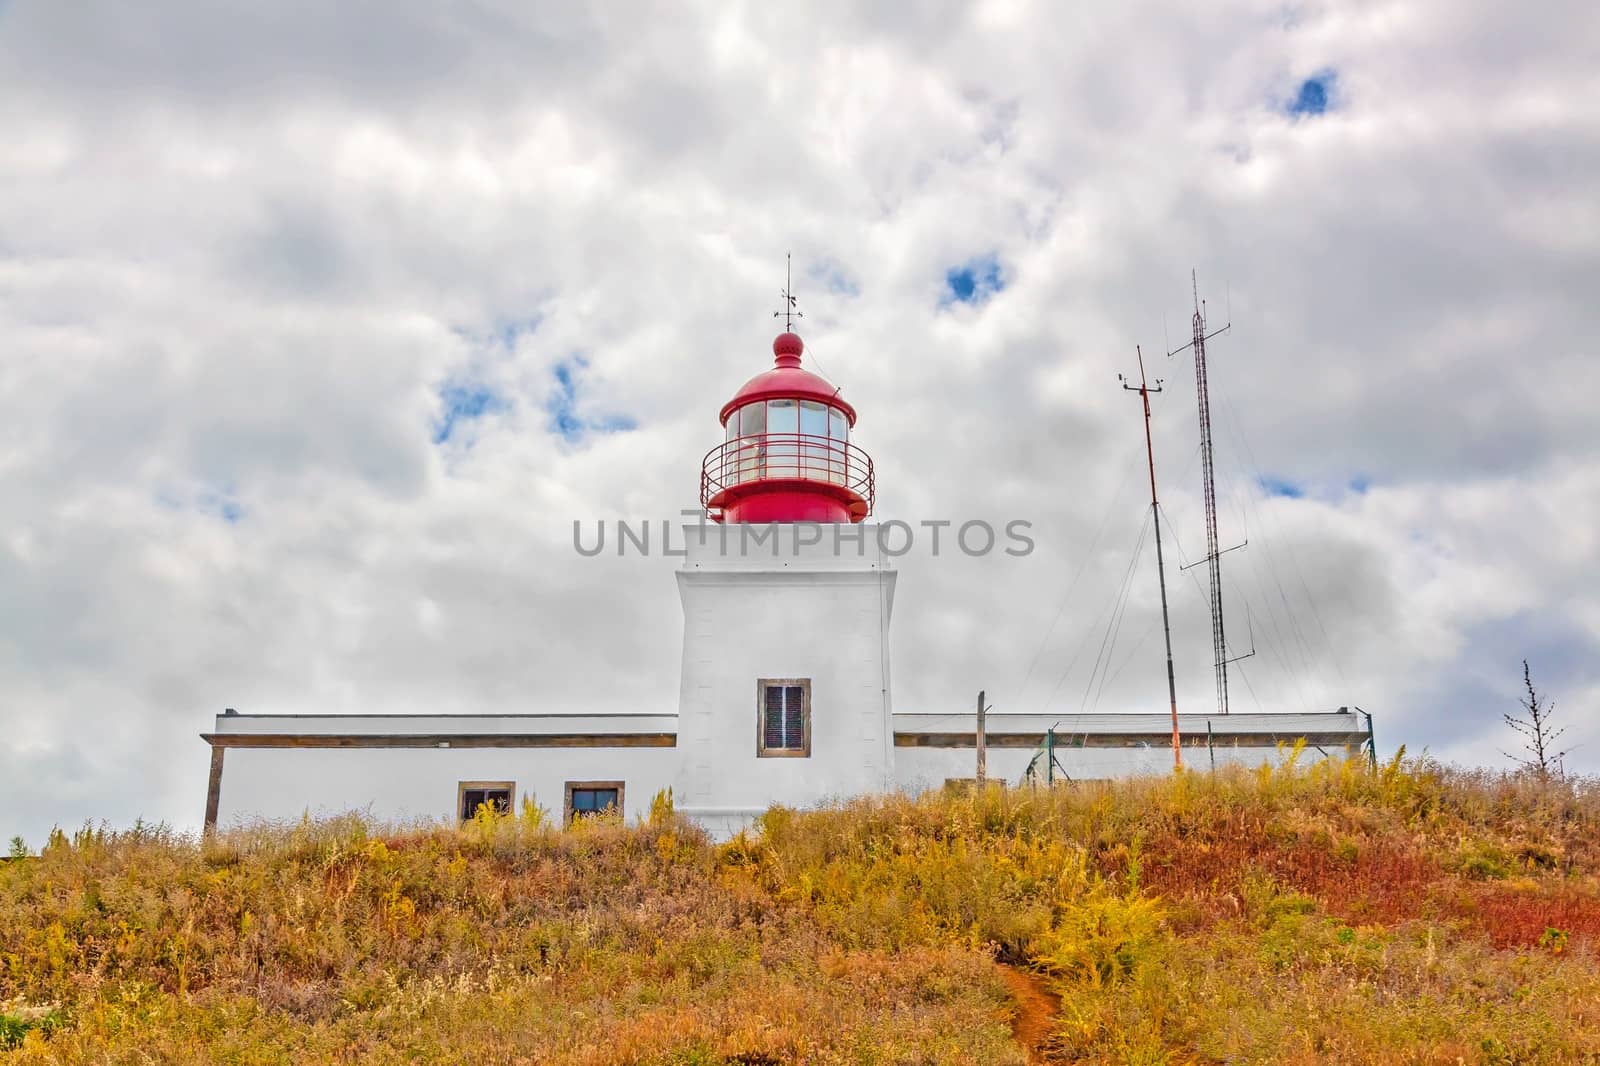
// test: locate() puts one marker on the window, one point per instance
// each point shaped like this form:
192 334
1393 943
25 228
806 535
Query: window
470 795
838 432
783 452
813 418
784 710
585 799
807 441
814 440
752 419
783 416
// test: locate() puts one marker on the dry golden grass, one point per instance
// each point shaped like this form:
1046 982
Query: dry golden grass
1329 914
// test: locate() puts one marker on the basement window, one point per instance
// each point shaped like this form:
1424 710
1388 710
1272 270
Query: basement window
470 795
585 799
784 717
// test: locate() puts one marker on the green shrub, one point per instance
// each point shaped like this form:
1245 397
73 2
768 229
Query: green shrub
1483 860
1100 940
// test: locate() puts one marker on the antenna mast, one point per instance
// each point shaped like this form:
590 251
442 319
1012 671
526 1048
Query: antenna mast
1144 390
1219 642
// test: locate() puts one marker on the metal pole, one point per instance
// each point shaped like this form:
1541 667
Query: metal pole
1161 566
983 747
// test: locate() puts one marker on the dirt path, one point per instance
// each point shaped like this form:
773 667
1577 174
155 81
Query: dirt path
1037 1007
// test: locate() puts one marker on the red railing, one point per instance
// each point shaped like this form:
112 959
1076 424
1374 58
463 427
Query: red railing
786 456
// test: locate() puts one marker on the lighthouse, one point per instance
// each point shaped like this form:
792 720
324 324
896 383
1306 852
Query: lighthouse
787 597
783 699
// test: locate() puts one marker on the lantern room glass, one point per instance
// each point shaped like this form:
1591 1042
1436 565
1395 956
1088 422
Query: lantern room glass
783 446
783 416
816 419
752 418
814 440
807 440
813 419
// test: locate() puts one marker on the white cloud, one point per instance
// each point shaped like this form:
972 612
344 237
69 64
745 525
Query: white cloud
243 248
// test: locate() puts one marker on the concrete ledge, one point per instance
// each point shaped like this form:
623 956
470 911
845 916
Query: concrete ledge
440 740
1125 740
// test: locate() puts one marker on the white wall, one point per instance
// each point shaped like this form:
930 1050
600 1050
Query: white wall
920 769
399 784
803 611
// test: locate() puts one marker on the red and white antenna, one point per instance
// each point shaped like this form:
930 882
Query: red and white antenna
1145 389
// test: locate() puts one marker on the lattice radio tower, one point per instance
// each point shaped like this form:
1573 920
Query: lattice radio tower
1213 559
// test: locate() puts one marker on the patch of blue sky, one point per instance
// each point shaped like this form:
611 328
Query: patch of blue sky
563 404
220 503
565 419
511 330
973 282
502 332
461 403
834 279
1315 95
1277 486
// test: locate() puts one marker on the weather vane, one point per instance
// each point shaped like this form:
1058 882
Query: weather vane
789 312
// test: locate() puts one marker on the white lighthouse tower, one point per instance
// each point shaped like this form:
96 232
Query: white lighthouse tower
786 607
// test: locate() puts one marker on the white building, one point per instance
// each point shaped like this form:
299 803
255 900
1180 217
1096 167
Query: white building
763 718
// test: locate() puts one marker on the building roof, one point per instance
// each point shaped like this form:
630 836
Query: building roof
443 730
446 723
414 730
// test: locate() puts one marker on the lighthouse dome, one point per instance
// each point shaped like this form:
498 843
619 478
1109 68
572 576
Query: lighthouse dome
786 454
788 378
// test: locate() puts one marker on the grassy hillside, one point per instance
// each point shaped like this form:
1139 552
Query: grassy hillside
1331 914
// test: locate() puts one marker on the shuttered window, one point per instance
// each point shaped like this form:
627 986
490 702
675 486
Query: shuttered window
785 713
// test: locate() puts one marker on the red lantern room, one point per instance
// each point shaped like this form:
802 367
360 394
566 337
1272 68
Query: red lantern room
786 454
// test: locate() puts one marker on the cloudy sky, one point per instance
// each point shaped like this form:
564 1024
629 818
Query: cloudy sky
320 325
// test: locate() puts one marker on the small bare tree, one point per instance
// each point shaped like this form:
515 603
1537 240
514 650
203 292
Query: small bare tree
1538 735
